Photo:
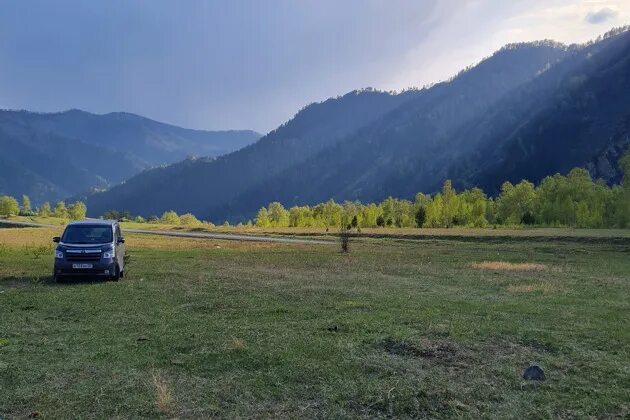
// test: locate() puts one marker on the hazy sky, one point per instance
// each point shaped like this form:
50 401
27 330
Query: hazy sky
253 64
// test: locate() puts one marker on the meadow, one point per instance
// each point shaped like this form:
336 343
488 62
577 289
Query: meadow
425 323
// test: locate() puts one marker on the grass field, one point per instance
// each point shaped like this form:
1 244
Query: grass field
438 327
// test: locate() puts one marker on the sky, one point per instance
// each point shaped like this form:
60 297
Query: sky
237 64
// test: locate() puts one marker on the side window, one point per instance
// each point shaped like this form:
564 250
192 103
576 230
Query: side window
118 234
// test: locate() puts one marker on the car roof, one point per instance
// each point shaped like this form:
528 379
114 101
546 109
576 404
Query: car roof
94 222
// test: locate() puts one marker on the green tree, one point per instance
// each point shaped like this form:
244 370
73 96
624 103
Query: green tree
421 216
450 204
9 206
434 212
278 215
330 213
369 215
44 210
621 198
77 211
262 218
515 201
26 209
189 219
170 218
60 210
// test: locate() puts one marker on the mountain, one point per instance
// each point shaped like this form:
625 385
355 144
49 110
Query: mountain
196 184
51 156
528 111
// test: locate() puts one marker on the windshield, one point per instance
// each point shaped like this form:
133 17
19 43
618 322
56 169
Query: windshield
87 234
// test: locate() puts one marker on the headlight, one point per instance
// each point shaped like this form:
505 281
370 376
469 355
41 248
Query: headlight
58 254
110 253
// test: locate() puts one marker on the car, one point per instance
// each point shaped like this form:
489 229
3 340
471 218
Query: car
90 248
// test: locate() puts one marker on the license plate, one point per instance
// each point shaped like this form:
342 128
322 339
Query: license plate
81 265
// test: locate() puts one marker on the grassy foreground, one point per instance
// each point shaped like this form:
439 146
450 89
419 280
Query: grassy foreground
408 328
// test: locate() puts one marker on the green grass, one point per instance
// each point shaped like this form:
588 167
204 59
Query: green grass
398 327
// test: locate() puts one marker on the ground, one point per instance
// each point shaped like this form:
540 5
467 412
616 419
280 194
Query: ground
433 326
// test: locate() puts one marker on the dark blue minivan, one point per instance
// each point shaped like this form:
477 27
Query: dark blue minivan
91 248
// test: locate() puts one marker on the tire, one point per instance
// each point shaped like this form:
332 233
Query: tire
117 274
58 278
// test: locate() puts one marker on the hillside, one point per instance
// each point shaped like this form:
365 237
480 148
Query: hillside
304 160
195 185
528 111
53 156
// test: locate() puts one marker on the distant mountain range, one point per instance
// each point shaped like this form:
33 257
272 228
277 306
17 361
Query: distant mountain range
51 156
528 111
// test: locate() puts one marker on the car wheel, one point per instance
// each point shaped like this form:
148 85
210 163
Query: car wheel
116 273
58 278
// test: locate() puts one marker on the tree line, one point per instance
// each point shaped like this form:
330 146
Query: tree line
9 206
574 200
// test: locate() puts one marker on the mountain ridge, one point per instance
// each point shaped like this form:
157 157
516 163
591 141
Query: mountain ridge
86 144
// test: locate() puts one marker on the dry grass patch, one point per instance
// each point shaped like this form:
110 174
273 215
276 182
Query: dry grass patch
28 236
163 399
236 344
507 266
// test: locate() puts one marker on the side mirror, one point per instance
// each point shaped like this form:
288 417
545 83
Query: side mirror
56 239
121 240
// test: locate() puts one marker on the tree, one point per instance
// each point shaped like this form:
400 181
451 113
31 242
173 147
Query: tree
622 196
450 204
77 211
278 215
434 212
170 218
262 218
44 210
60 210
112 215
515 201
189 219
9 206
421 216
370 215
331 214
26 209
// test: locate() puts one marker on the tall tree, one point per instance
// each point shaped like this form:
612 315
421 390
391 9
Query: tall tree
77 210
262 218
9 206
44 210
60 210
26 205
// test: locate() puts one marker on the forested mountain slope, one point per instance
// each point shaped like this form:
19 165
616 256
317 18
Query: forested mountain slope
195 185
52 156
528 111
383 158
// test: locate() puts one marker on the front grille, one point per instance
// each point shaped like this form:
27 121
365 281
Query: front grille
83 255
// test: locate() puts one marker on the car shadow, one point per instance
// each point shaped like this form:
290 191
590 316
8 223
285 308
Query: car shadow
49 281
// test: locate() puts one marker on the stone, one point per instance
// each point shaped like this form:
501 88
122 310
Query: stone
534 373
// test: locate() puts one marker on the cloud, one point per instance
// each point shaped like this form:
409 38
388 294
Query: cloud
601 15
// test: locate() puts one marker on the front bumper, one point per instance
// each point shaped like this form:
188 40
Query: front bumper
99 268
